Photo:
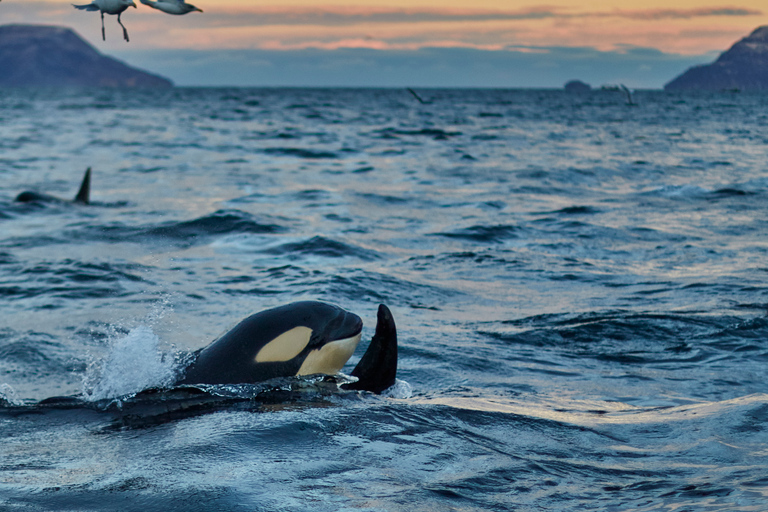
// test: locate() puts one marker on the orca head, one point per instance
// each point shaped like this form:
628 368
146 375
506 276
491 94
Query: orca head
29 196
323 337
302 338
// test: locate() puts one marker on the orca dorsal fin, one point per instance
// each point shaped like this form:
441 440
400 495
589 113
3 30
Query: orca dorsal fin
84 195
377 370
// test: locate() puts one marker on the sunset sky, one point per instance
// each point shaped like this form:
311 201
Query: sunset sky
412 42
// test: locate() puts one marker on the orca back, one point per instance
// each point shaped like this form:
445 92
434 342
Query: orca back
84 194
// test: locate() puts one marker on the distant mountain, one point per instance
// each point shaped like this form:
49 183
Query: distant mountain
577 86
50 56
744 67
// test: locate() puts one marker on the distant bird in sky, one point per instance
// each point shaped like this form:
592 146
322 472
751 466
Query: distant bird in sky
628 94
109 7
171 6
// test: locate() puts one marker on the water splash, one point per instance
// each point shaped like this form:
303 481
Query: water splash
8 395
400 389
134 363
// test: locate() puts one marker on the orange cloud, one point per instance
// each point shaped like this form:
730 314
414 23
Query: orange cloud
691 27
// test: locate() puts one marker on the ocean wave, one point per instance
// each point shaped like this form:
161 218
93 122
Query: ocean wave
200 230
311 154
382 199
341 285
69 279
435 133
578 210
666 341
484 233
362 285
323 247
32 349
29 357
692 192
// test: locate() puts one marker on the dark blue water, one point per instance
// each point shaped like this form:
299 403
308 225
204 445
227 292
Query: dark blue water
580 288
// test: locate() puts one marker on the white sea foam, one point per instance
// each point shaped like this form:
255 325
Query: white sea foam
400 389
8 394
135 362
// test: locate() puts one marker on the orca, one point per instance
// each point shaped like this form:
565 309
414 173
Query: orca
302 338
377 369
83 195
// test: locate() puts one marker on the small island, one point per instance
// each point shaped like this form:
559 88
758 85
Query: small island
744 67
577 86
51 56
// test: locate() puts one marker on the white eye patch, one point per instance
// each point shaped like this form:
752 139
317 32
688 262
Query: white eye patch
286 346
330 358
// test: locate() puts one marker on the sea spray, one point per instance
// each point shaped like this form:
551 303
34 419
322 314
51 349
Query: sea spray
8 395
134 363
135 360
400 389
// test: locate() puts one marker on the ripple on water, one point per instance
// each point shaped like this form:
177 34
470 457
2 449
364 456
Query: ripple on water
484 233
323 247
185 233
70 279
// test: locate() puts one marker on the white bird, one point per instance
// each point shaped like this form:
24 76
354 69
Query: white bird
171 6
628 94
109 7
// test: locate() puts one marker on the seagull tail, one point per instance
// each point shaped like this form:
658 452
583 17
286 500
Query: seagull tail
146 2
88 7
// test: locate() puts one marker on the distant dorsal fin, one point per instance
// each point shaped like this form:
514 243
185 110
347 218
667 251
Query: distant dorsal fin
84 195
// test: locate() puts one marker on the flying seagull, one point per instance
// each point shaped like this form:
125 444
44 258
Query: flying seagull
171 6
109 7
628 94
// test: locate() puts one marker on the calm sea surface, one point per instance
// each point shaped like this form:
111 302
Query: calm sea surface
580 288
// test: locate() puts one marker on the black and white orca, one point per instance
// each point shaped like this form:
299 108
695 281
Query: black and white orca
83 195
302 338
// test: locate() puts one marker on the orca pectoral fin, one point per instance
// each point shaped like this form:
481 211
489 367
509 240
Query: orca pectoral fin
84 195
377 370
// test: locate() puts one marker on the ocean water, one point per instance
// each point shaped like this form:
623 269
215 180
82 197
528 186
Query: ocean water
580 288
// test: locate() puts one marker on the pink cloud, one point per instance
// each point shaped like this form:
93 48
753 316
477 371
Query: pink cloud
398 29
